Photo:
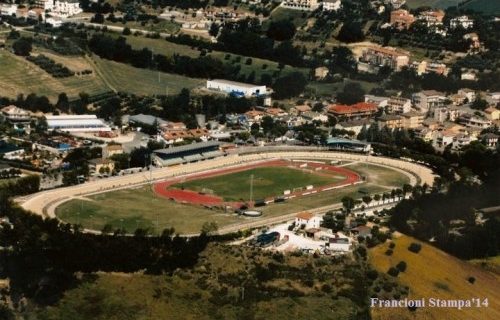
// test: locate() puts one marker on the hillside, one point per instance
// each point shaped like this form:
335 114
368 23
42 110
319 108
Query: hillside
229 282
434 274
485 6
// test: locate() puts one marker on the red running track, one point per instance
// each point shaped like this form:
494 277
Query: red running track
192 197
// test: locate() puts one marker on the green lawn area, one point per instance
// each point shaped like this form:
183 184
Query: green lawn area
381 176
126 78
163 26
298 17
20 76
267 182
162 46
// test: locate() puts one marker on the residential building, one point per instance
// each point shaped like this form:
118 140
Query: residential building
492 113
10 151
354 125
469 74
381 102
385 56
145 119
320 73
314 116
14 114
308 219
426 101
308 5
236 88
331 5
275 112
462 21
431 67
302 108
398 105
358 110
99 166
254 115
473 121
390 121
432 17
66 8
76 123
7 9
401 19
490 140
425 134
111 149
469 94
412 120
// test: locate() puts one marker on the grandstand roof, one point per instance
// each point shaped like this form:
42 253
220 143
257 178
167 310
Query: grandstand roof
188 147
358 107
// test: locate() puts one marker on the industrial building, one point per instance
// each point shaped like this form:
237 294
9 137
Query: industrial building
236 88
187 153
76 123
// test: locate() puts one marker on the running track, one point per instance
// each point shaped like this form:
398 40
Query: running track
192 197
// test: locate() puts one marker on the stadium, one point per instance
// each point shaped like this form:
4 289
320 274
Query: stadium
280 181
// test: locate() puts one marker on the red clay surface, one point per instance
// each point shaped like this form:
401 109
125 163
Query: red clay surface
187 196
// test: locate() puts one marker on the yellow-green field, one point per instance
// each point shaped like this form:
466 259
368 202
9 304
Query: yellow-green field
20 76
433 273
123 77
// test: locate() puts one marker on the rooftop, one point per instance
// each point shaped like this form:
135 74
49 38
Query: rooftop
188 147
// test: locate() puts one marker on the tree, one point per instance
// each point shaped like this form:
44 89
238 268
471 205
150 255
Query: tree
352 93
209 228
348 203
254 129
289 86
351 32
281 30
214 29
22 46
63 102
126 31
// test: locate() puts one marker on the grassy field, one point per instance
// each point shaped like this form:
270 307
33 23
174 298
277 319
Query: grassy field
163 26
123 77
434 274
133 208
161 46
267 182
298 17
442 4
380 176
20 76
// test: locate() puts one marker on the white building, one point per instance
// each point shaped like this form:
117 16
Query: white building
14 114
236 88
308 5
8 9
331 5
309 220
398 105
76 123
428 100
462 21
60 8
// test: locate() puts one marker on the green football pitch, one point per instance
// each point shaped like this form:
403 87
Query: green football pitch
267 182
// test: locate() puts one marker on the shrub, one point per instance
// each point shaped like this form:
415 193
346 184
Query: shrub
392 245
401 266
415 247
393 272
376 289
387 287
471 280
388 252
326 288
372 274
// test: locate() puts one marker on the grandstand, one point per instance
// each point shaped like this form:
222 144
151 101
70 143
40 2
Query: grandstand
348 145
187 153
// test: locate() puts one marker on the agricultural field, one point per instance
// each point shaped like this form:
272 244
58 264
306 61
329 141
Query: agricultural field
20 76
267 182
432 273
123 77
140 208
209 290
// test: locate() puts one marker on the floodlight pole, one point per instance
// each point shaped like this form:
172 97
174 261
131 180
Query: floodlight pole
251 187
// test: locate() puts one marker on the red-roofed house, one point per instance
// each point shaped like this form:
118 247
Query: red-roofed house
358 110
